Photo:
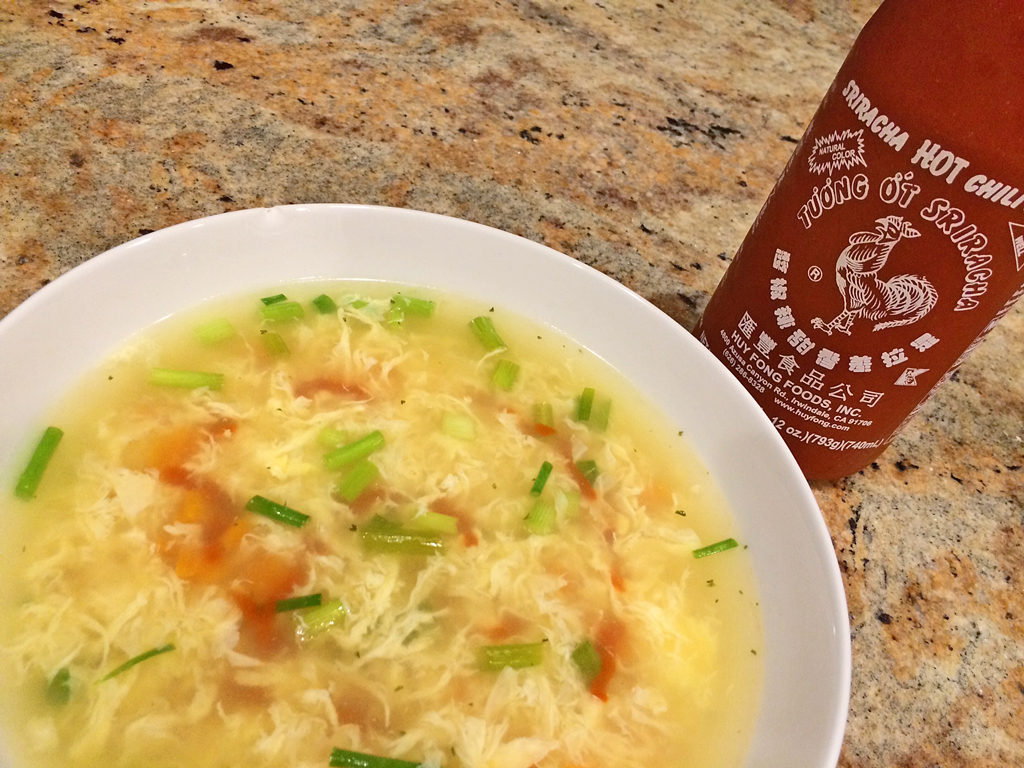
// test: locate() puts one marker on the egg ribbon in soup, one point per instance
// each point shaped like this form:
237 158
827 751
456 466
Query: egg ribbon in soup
374 527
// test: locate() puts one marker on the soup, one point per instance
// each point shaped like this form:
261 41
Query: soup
355 524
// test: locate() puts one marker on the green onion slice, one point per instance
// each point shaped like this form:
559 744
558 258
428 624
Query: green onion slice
275 511
357 480
316 621
544 414
494 658
713 549
275 299
385 537
585 404
434 522
395 314
294 603
58 690
137 660
485 331
588 468
274 344
324 304
587 660
505 375
413 306
567 504
343 758
167 377
354 451
459 426
332 437
215 331
542 478
29 481
540 520
600 413
285 310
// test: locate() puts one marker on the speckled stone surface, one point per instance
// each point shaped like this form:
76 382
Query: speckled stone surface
640 138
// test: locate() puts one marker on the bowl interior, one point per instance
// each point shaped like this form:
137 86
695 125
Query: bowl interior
67 327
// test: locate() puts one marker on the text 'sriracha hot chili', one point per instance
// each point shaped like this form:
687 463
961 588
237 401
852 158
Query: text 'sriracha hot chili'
894 239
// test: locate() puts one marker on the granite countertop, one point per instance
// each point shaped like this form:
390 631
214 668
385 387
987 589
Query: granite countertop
638 137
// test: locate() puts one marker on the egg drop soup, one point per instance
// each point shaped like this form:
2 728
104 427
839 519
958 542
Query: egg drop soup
384 528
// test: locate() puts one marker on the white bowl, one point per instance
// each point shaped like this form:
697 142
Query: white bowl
71 324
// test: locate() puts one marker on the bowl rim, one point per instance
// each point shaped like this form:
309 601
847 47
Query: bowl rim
102 278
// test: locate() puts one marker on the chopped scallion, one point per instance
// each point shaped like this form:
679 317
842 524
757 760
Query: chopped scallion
58 690
358 479
28 482
285 310
294 603
395 314
485 331
137 660
459 426
324 304
434 522
413 306
567 504
600 413
277 512
585 404
541 518
343 758
587 660
494 658
354 451
274 344
544 414
588 468
385 537
167 377
541 479
316 621
505 375
215 331
329 437
713 549
275 299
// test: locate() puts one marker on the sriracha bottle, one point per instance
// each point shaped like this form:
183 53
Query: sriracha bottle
894 239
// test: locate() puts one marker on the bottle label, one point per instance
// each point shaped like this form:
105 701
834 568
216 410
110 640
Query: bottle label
886 258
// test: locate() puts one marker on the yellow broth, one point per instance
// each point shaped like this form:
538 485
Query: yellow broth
139 537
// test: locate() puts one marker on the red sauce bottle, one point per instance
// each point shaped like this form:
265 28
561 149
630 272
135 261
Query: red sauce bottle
894 239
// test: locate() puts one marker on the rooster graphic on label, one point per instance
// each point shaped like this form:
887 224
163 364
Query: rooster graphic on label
900 300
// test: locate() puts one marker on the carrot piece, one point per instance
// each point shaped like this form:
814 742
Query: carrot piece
263 579
259 632
205 565
193 508
617 578
611 633
188 563
543 430
586 489
170 449
465 525
267 578
231 539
